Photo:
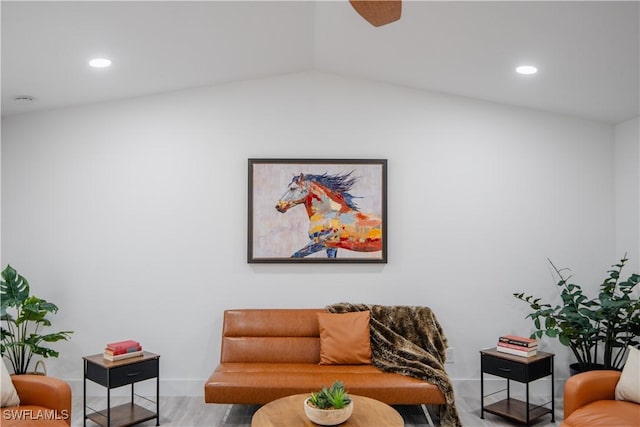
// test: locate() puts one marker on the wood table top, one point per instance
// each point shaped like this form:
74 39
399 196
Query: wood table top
289 411
99 359
520 359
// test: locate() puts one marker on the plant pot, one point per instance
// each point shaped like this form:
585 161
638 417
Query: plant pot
575 368
327 417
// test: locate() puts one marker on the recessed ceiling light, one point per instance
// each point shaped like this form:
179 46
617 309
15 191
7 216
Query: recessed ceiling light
100 62
526 69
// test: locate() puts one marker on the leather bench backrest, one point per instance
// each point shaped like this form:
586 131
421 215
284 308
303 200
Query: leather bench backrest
271 336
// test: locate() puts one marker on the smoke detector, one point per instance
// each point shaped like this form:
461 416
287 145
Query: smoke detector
23 99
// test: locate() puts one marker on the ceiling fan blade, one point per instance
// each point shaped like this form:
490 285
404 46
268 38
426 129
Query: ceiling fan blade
378 12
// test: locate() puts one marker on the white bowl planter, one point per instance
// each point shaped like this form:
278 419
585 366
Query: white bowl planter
327 417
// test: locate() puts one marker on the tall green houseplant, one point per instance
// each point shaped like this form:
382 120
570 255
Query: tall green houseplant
609 322
24 316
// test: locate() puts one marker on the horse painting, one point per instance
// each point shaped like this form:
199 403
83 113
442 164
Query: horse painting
335 221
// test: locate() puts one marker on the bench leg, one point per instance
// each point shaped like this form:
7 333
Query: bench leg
226 414
428 415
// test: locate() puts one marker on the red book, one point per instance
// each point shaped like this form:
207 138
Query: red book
516 346
122 345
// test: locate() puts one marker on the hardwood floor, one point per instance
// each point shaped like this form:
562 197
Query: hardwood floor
193 412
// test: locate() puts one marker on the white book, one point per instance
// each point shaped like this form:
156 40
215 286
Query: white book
514 352
113 358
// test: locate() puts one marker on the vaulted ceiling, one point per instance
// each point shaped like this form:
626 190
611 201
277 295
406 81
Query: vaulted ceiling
587 53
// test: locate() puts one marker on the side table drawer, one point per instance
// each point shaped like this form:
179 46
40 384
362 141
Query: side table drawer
504 368
133 373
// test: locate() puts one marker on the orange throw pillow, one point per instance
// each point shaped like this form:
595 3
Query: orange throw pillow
345 338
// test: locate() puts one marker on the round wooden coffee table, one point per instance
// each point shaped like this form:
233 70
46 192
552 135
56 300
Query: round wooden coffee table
289 411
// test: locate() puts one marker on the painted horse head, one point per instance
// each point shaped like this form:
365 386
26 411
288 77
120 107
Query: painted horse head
307 189
296 194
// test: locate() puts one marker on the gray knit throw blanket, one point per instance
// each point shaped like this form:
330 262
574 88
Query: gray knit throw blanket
409 341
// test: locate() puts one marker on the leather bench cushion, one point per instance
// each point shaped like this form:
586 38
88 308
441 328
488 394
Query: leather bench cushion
271 336
282 322
270 349
606 413
259 383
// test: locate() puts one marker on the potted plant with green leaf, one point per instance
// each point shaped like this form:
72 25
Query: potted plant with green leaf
330 406
24 316
609 322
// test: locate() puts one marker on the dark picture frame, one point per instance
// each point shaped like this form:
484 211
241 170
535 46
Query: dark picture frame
317 211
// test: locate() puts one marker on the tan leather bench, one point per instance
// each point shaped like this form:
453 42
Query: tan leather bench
267 354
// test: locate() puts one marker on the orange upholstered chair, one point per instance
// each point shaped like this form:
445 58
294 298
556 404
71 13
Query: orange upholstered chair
589 400
44 401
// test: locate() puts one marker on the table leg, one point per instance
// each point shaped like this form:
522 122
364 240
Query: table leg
158 398
553 399
527 407
481 395
84 396
108 398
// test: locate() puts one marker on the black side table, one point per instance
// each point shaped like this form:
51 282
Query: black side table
116 374
520 369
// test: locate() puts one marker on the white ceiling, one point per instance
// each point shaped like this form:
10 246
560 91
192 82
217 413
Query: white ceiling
588 53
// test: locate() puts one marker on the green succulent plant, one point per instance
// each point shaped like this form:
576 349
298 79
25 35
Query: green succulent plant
24 316
334 397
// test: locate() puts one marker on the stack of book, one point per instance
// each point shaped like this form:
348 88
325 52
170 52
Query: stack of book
122 350
518 346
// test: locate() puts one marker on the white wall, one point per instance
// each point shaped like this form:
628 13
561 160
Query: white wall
627 196
131 215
